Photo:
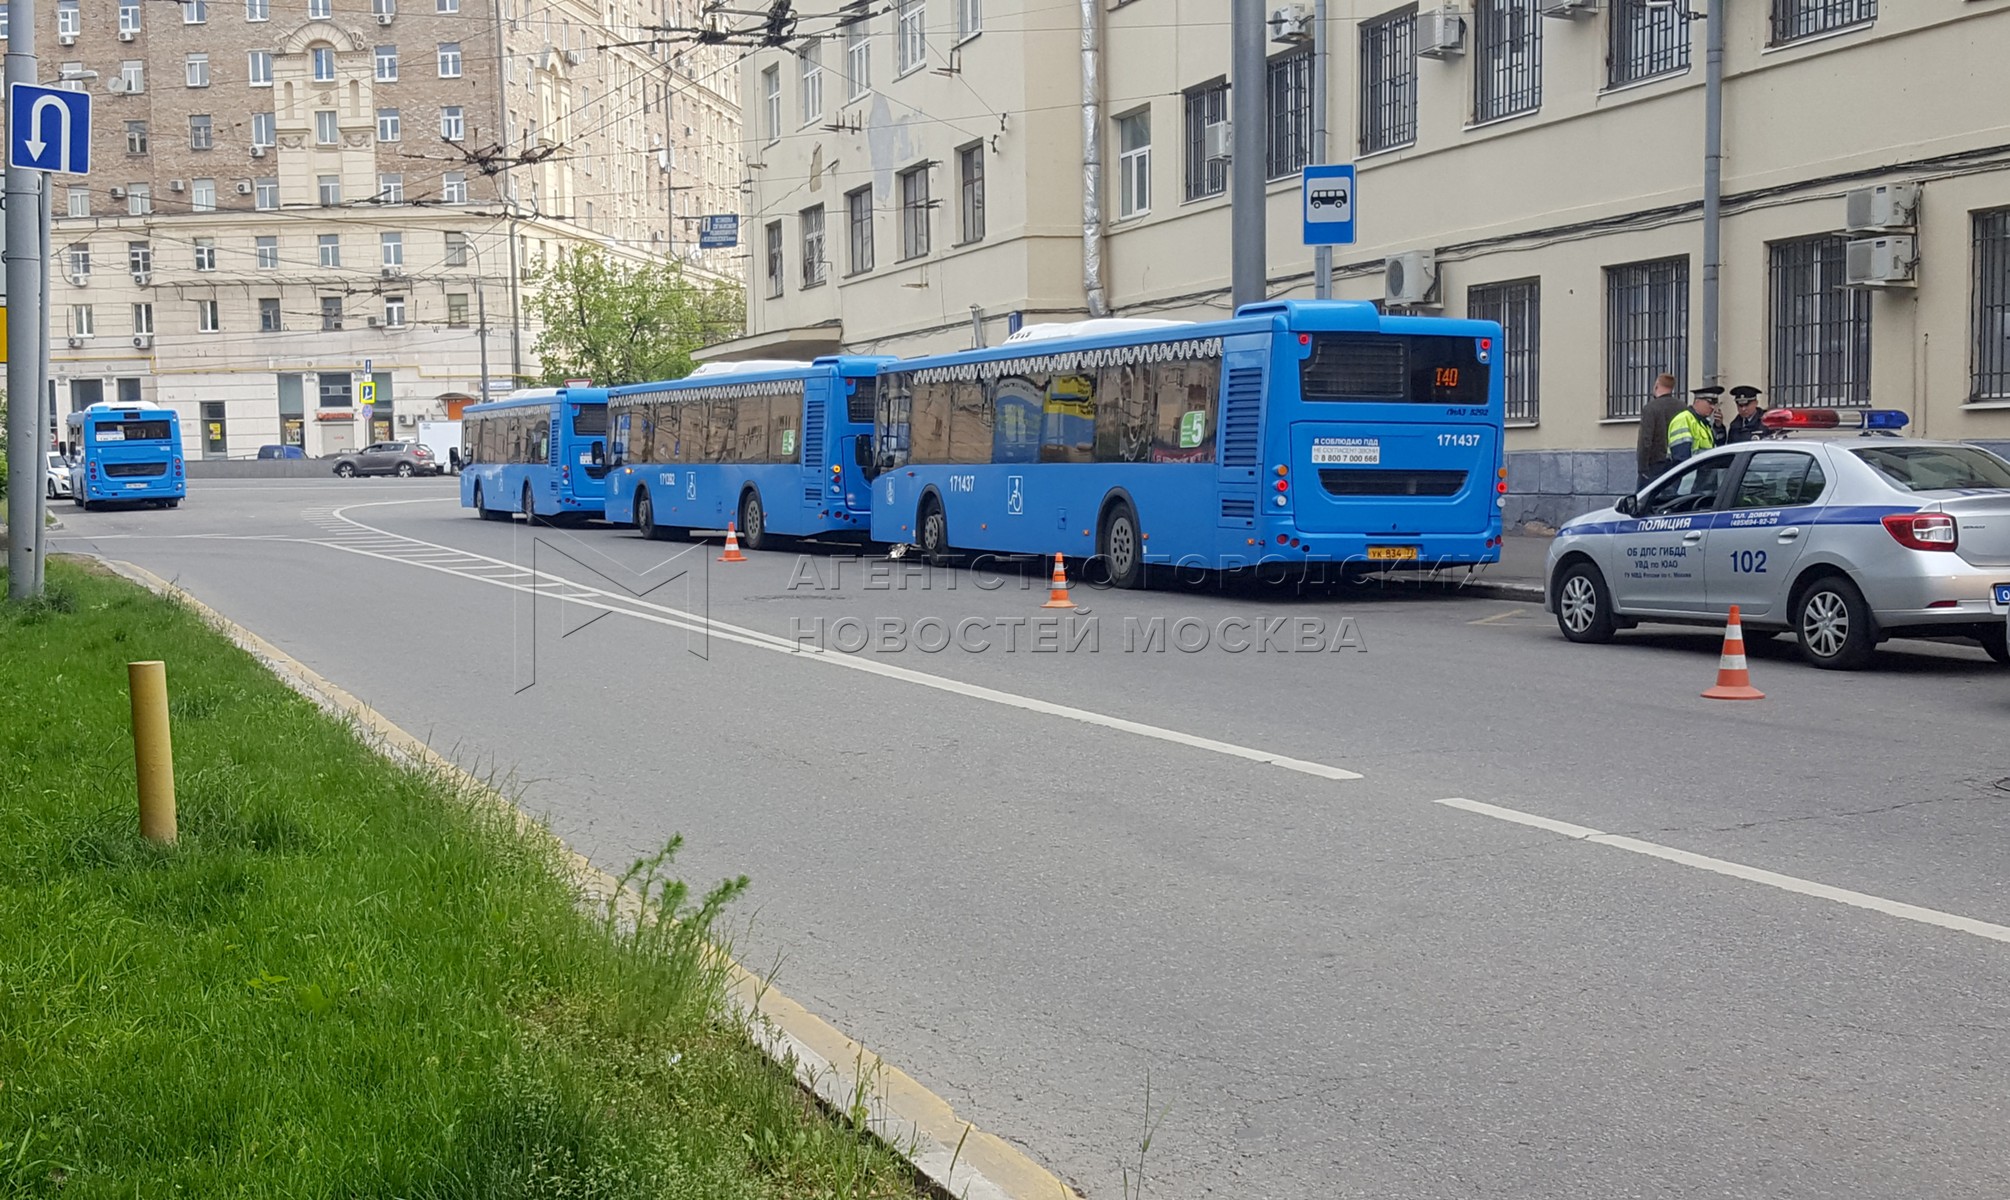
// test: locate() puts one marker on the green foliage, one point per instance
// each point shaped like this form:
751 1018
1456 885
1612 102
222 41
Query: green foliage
617 321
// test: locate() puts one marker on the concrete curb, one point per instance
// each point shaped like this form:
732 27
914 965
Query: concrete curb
951 1153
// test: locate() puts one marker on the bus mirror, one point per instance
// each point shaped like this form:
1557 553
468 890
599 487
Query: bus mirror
861 451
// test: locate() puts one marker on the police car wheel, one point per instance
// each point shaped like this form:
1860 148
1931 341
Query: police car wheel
1834 625
1584 605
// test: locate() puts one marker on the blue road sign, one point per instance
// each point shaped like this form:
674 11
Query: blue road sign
48 129
1329 204
719 231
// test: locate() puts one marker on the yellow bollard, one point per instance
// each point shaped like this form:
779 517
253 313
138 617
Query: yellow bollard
153 750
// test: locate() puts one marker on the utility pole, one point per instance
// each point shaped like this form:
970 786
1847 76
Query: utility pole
1247 127
1713 181
25 398
1322 256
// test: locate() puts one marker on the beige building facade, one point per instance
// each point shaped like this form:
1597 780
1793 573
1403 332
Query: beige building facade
1535 161
290 198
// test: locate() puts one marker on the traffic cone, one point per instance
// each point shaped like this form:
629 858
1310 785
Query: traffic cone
1057 595
732 553
1734 682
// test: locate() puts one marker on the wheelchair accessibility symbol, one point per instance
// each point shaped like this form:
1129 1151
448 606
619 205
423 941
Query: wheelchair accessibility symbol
691 486
1015 495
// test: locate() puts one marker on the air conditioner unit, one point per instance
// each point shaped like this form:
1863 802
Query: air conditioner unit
116 83
1881 262
394 272
76 343
244 187
573 58
376 322
1411 278
384 18
258 152
67 39
79 280
1568 9
1217 141
1876 209
1291 24
1441 33
143 278
118 193
177 185
127 35
407 419
143 341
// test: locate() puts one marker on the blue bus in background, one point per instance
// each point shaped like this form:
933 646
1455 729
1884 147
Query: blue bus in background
126 452
778 449
541 452
1295 431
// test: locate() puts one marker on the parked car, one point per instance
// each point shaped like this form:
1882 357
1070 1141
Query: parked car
387 458
59 475
281 452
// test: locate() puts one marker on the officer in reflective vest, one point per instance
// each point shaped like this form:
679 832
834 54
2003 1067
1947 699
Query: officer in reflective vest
1694 429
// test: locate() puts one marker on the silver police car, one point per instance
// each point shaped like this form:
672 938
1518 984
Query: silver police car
1844 542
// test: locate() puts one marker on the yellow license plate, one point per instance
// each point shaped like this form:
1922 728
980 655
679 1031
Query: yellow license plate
1392 552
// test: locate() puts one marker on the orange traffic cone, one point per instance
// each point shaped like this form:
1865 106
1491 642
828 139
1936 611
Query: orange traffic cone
1057 595
732 553
1734 682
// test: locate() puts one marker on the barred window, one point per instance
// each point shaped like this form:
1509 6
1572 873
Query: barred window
1647 40
1992 306
1507 72
1288 80
1517 306
1389 81
1821 326
1205 105
1796 19
1646 331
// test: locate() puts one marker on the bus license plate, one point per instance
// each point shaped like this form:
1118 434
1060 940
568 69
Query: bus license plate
1392 552
2003 595
135 486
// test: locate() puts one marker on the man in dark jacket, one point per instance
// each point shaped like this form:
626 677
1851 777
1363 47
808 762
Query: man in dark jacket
1652 445
1747 426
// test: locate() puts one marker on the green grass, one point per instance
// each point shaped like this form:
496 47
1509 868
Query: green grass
349 979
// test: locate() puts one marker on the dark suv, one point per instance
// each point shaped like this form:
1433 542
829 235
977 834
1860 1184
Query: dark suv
387 458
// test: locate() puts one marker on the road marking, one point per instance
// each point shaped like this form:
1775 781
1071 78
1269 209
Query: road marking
1498 617
1719 866
699 623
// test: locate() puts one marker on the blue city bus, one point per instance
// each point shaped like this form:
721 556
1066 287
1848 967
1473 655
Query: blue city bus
777 449
541 452
126 452
1299 432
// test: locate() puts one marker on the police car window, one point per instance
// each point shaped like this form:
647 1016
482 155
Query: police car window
1694 490
1934 468
1779 479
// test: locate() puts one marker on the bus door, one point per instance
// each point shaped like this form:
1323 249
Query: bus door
586 450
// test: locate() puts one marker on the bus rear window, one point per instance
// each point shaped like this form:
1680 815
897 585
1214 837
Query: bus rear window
1382 368
589 420
863 401
130 431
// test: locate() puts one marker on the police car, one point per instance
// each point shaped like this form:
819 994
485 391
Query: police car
1844 542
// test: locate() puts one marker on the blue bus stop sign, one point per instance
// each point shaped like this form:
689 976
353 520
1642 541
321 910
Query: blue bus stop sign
1329 204
48 129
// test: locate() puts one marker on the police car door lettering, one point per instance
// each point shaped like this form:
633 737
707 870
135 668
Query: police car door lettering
1748 562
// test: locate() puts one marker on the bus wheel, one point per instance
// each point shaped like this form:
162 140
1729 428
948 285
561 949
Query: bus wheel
645 517
1120 548
174 504
753 531
530 506
931 532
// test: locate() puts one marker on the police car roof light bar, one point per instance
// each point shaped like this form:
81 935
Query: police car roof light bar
1867 419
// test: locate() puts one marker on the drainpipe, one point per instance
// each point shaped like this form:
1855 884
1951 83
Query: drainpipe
1322 256
1713 181
1092 160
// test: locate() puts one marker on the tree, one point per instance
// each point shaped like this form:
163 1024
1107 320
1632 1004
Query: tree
615 321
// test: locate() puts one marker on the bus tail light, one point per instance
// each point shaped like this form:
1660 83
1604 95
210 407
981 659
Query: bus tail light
1922 531
1283 497
177 466
837 479
565 474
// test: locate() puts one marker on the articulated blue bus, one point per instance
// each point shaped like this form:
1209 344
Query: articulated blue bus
1297 432
126 452
778 449
541 452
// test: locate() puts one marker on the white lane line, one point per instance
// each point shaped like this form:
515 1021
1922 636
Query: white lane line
1719 866
698 623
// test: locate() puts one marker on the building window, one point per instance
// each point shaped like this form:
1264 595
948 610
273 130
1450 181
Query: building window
910 35
5 22
774 259
970 185
393 247
320 10
261 68
264 129
457 249
1647 40
326 130
83 322
205 254
457 310
1289 146
771 102
331 249
69 18
202 195
390 188
454 187
324 64
140 258
858 58
133 74
269 320
394 312
333 389
1991 368
143 318
197 70
1507 68
810 62
1646 331
206 317
268 253
258 10
265 194
1821 326
79 199
387 64
450 60
388 125
969 19
1389 81
79 263
136 137
129 16
331 319
1517 308
453 125
330 189
812 220
914 209
139 199
194 12
1134 164
858 218
446 6
201 132
1206 105
1796 19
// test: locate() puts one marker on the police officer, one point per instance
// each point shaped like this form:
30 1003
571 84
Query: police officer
1694 429
1747 426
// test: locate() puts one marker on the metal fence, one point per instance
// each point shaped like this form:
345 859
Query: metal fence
1821 326
1646 331
1389 81
1992 306
1795 19
1647 40
1517 306
1507 73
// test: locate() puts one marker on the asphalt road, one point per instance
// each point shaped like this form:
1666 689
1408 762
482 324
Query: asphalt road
1044 882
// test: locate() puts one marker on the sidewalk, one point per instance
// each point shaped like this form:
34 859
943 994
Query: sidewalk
1518 575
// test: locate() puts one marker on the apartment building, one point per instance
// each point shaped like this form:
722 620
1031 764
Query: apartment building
917 183
293 197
